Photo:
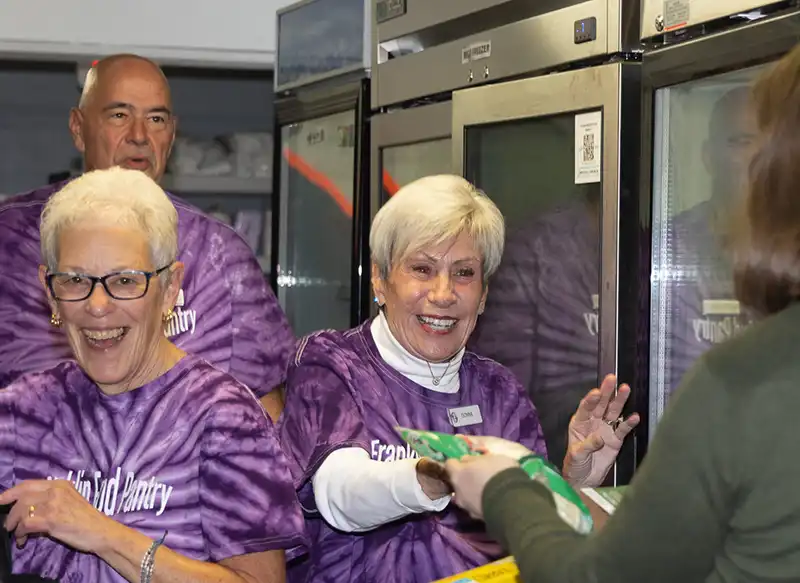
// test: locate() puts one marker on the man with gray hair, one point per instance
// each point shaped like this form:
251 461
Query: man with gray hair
225 313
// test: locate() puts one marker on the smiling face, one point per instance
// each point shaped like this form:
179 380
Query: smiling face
433 297
120 344
126 120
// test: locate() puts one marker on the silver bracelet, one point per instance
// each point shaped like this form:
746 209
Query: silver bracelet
149 559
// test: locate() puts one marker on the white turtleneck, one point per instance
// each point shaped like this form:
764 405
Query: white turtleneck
355 493
413 368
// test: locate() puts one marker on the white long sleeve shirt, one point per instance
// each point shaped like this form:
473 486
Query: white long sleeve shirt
354 493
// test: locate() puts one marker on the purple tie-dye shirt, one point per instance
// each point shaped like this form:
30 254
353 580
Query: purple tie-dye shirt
341 393
192 453
226 312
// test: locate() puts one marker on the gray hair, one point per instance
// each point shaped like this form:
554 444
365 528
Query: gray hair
432 210
115 197
89 84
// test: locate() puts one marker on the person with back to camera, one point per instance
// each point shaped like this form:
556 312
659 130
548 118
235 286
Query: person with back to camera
135 461
707 504
226 311
374 512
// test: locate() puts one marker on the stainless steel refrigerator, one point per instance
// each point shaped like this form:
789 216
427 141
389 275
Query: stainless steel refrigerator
557 148
320 261
559 154
699 132
426 50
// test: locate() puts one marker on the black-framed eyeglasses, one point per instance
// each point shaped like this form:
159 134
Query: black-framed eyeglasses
120 285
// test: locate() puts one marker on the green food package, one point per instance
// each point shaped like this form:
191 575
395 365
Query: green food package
443 446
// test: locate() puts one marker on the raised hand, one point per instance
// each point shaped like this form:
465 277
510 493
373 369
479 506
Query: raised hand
596 434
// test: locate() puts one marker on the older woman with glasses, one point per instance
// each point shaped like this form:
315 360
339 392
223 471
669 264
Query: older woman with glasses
136 461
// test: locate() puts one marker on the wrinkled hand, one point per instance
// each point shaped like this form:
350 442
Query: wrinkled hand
433 479
56 509
593 442
469 477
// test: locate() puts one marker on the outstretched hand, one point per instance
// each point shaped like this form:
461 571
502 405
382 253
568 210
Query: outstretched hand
596 434
470 475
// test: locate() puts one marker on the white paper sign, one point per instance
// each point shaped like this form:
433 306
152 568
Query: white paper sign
676 14
588 147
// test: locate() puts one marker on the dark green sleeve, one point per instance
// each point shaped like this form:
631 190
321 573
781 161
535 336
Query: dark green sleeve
668 528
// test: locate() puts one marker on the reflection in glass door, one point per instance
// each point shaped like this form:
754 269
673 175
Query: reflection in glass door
542 313
704 133
403 164
316 226
407 144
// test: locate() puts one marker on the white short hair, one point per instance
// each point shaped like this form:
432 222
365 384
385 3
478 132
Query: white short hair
432 210
116 197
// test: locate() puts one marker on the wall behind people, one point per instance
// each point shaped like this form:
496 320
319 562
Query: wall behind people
34 137
236 32
317 173
36 98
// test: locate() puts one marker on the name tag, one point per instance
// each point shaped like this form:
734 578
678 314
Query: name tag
463 416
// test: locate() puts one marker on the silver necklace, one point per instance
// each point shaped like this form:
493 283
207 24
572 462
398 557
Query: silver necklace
436 380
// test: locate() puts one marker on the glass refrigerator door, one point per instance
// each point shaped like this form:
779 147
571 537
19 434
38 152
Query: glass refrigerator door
704 134
409 144
538 152
316 222
541 317
403 164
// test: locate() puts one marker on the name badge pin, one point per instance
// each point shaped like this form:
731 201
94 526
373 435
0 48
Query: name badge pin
465 416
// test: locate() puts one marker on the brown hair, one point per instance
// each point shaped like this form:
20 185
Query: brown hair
766 252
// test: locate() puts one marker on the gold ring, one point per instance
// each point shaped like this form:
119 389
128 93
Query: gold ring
31 510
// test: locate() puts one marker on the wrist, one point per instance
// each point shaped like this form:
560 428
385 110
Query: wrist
576 473
113 539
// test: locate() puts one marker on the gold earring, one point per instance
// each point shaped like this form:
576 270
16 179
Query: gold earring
55 321
166 317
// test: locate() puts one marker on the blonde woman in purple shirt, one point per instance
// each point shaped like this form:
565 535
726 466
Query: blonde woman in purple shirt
374 512
135 461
